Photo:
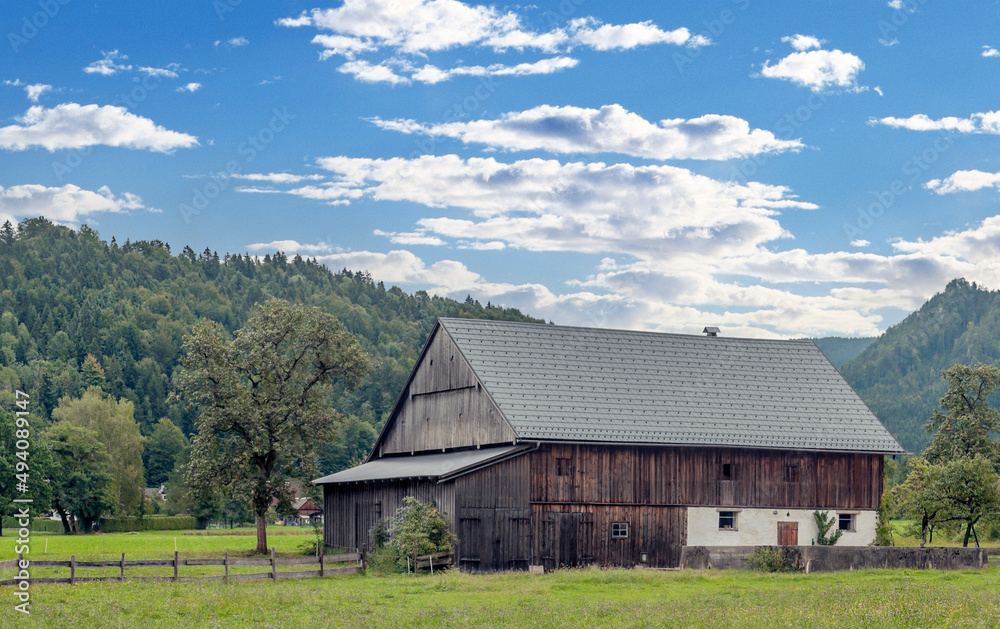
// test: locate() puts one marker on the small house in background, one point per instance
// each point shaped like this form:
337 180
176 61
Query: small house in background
155 493
563 446
306 511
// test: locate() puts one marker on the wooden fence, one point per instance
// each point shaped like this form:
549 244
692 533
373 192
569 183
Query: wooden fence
272 562
427 563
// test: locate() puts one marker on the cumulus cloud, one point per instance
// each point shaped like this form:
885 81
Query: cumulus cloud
74 126
68 204
111 63
990 51
610 129
169 72
34 91
399 30
419 237
816 69
278 177
432 74
290 246
804 42
190 88
964 181
985 122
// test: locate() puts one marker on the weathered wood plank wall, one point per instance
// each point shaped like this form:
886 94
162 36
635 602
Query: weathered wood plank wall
350 511
667 476
445 406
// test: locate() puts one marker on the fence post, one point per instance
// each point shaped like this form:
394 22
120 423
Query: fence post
321 564
364 556
225 562
72 569
274 567
175 565
431 560
121 572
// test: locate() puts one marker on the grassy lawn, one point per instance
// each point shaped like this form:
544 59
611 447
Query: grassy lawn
572 598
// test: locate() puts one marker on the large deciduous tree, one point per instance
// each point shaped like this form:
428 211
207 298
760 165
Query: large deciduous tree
16 465
966 424
163 451
82 482
263 398
115 425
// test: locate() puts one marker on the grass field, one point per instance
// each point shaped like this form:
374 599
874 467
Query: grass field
571 598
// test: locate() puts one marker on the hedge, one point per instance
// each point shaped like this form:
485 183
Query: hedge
43 525
155 523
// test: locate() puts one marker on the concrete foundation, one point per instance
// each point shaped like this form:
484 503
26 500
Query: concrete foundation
826 558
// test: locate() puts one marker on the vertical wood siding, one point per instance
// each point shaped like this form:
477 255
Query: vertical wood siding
604 474
350 511
445 406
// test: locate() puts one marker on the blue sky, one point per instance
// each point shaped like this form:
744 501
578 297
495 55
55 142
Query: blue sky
778 169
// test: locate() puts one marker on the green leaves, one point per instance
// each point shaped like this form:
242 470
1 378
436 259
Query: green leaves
263 398
825 522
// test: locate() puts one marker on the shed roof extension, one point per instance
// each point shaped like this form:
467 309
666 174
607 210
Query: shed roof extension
557 383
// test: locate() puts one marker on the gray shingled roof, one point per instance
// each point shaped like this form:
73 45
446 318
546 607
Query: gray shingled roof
557 383
437 466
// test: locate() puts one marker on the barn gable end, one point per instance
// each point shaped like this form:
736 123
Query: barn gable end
443 406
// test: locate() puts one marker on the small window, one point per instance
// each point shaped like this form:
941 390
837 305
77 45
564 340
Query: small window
619 530
727 471
792 473
727 520
846 521
562 467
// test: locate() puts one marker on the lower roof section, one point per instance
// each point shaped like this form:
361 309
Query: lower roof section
434 466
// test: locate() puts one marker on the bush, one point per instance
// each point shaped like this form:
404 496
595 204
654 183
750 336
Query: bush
420 529
768 559
43 525
385 561
825 522
166 523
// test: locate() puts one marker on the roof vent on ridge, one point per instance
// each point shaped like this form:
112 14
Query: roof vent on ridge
711 331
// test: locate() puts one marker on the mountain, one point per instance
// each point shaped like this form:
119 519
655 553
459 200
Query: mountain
841 350
899 374
66 295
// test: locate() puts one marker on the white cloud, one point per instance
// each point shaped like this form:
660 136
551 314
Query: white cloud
278 177
433 74
372 73
112 63
68 204
190 87
816 69
290 246
964 181
418 237
990 51
693 250
610 129
896 4
804 42
414 28
34 91
169 72
236 42
986 122
74 126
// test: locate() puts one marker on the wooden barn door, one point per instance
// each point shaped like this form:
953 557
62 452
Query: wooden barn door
788 533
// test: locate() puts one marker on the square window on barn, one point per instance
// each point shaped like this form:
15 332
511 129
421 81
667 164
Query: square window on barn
726 471
727 520
846 521
619 530
792 473
562 467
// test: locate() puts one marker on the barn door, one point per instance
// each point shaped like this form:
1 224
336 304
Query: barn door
788 533
568 540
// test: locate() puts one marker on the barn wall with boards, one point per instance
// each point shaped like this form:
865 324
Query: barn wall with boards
570 505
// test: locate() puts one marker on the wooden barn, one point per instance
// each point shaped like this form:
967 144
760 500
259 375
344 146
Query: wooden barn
563 446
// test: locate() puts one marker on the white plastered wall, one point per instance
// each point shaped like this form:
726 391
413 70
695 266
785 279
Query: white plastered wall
759 527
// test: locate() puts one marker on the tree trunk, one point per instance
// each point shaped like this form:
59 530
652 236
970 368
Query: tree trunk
261 532
968 531
923 532
974 535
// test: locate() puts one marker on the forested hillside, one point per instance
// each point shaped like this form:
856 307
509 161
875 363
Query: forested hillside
899 375
841 350
66 295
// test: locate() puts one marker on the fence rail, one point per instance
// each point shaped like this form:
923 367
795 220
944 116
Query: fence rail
225 562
